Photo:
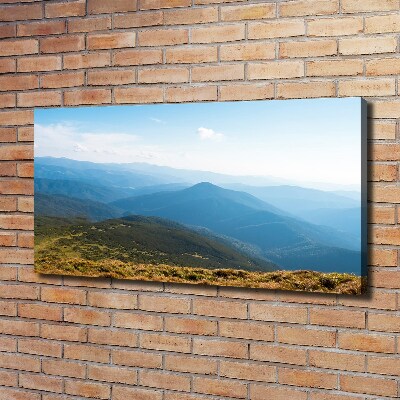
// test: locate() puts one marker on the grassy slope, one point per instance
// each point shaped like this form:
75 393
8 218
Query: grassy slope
61 248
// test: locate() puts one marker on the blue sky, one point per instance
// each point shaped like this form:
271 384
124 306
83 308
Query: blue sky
314 140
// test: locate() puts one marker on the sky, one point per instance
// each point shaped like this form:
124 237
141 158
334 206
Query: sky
316 140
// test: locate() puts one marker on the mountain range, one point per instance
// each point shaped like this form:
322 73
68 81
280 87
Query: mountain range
281 226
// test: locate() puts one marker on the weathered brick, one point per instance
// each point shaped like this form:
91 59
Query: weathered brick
383 66
112 374
191 16
190 326
87 389
40 311
88 60
275 70
66 9
306 337
368 87
335 360
220 387
334 67
384 365
163 75
165 342
156 4
15 82
19 47
42 28
163 380
366 45
314 379
246 92
39 99
163 37
138 94
113 337
383 172
105 6
222 33
138 321
39 347
252 11
87 96
222 348
64 368
268 312
137 358
355 6
308 7
247 52
86 353
137 57
388 235
189 55
196 365
276 29
305 90
261 392
111 40
62 44
278 354
21 12
366 342
89 24
311 48
138 20
115 77
368 385
382 215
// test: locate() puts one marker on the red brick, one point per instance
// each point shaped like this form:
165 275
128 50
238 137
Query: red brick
7 65
15 82
163 37
368 385
115 77
89 24
220 387
19 362
25 134
163 75
137 358
165 342
7 239
111 40
87 389
86 353
138 321
155 4
40 311
39 347
267 312
314 379
14 394
87 96
222 348
366 342
123 393
62 44
278 354
7 31
138 95
222 33
112 374
307 337
308 7
261 392
113 337
64 368
105 6
190 326
163 380
21 12
138 20
38 382
66 9
87 317
196 365
42 28
63 332
19 47
247 371
41 63
8 135
88 60
137 57
188 55
191 16
197 93
63 295
63 79
39 99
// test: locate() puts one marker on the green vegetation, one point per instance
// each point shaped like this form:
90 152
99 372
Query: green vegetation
145 248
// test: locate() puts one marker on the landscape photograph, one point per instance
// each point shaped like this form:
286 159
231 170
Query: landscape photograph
258 194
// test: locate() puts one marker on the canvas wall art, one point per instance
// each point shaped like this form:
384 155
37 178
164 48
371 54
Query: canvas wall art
260 194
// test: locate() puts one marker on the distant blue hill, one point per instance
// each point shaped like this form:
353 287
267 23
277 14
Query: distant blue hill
295 243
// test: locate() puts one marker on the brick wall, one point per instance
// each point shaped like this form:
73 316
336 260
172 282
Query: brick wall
68 338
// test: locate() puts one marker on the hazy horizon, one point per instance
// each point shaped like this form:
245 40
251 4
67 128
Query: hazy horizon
285 143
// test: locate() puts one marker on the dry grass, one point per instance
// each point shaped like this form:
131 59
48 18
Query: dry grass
310 281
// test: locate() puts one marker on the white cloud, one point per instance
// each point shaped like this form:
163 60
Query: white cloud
210 134
63 140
